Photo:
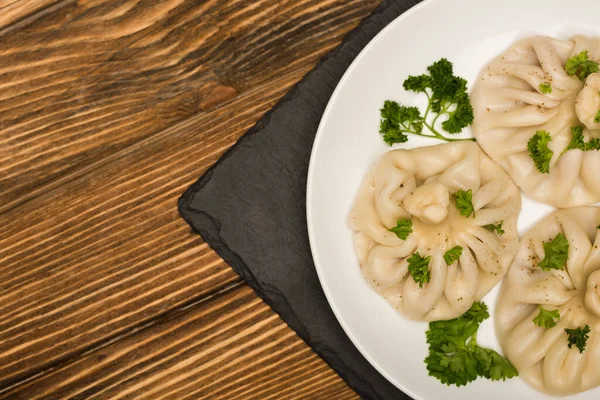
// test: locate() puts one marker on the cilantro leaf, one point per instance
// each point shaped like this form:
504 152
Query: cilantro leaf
453 255
581 66
546 319
539 151
556 253
403 228
545 88
419 268
597 117
578 337
464 202
496 227
454 356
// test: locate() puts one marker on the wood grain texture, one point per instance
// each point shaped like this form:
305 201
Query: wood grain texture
96 77
232 347
108 111
14 11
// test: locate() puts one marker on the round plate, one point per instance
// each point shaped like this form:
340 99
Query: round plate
469 33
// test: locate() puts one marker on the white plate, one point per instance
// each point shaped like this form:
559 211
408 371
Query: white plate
469 33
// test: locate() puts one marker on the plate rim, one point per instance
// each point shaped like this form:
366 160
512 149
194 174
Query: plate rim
311 171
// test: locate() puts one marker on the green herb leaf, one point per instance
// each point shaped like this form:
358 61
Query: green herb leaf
396 120
545 88
593 144
494 366
449 90
556 253
454 356
496 227
461 117
539 151
581 66
453 255
447 95
546 319
578 337
597 117
419 268
464 202
578 141
418 84
403 228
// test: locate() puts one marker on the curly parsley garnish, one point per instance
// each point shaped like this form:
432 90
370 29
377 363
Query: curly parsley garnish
578 337
455 358
545 88
419 268
578 141
541 154
464 202
539 151
546 319
581 66
556 253
447 96
497 227
403 228
452 255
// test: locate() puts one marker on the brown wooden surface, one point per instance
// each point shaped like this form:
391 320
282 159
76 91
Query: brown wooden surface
109 109
230 347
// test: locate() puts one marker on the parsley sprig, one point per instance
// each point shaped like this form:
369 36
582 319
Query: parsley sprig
546 319
447 97
452 255
403 228
578 141
540 152
497 227
418 267
581 66
464 202
556 253
578 337
455 358
545 88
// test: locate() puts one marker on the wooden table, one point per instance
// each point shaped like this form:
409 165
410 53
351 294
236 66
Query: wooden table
109 110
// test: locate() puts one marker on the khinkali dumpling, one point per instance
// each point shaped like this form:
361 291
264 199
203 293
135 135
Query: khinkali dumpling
527 89
419 185
542 354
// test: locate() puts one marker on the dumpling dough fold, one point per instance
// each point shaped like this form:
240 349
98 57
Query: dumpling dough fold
419 185
510 107
541 355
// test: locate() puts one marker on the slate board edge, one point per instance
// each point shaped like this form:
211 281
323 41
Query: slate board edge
219 245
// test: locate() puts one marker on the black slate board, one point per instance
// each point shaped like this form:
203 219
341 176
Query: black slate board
250 207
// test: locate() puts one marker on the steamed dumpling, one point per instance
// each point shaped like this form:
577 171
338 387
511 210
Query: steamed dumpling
419 185
510 105
541 355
